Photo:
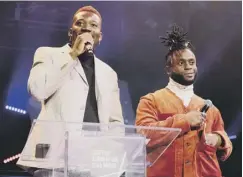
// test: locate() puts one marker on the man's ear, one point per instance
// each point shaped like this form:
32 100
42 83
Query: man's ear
168 66
101 37
70 32
168 70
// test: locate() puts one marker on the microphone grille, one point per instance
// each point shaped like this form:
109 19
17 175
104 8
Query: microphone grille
209 103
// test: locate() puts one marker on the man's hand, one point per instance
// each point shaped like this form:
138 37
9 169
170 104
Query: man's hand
195 118
213 139
79 45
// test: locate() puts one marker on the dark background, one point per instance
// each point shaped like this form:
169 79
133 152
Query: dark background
131 46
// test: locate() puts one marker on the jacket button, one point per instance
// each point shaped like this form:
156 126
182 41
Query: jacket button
188 162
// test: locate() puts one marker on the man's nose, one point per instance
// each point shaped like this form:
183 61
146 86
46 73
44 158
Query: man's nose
85 30
187 66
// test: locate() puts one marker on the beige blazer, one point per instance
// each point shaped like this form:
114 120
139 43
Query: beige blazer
60 84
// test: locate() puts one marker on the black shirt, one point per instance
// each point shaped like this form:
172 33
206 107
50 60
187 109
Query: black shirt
91 111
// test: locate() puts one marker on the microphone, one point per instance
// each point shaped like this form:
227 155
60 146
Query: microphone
207 105
204 109
89 48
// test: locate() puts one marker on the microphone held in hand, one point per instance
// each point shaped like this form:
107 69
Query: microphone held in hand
207 105
89 48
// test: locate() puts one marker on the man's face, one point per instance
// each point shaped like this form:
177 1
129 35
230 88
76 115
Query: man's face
183 68
85 21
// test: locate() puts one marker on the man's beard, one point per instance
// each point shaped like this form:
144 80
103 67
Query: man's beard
181 80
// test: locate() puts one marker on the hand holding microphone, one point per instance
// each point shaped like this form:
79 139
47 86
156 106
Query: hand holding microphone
211 139
194 118
197 118
84 42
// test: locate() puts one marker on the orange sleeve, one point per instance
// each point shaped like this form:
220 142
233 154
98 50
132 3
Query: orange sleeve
147 115
218 127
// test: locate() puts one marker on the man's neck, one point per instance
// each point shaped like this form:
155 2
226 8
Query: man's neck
185 93
180 86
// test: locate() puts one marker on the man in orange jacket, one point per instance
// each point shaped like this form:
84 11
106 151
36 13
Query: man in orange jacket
193 153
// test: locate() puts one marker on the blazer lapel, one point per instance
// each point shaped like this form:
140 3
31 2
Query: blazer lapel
98 76
80 70
99 90
65 50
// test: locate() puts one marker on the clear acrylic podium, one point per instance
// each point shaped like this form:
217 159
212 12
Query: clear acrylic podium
72 149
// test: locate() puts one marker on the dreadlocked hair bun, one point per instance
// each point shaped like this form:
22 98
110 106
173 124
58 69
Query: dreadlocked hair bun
175 40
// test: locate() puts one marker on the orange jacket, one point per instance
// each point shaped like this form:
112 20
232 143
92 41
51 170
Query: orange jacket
188 155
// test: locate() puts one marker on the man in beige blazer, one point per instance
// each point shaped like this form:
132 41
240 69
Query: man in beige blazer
72 84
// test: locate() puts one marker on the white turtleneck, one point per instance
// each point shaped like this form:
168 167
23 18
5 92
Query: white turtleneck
185 93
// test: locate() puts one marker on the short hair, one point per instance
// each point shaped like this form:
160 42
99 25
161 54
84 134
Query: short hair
88 9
